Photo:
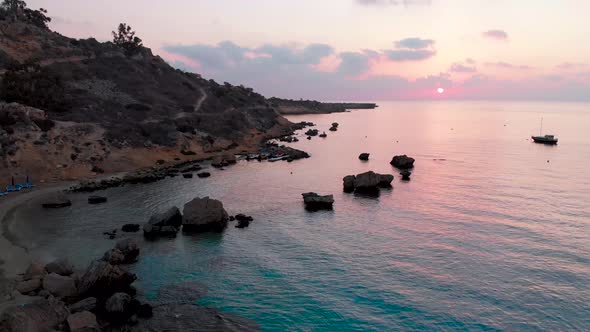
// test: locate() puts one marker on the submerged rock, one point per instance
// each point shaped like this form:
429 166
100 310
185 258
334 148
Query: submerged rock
204 175
402 162
97 199
314 202
130 228
203 215
56 202
364 156
187 175
189 317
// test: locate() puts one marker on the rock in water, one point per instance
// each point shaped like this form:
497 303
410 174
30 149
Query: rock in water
56 202
128 249
39 315
130 228
118 307
403 162
84 321
97 199
405 175
368 182
187 175
315 202
167 223
364 156
60 286
203 215
204 175
349 183
61 267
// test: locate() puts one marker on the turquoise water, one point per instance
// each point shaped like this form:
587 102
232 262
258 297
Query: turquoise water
491 234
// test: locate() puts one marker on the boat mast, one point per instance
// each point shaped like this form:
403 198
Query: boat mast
541 130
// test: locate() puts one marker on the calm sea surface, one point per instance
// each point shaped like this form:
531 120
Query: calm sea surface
491 234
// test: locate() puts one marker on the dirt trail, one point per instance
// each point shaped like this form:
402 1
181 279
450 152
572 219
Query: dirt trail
198 104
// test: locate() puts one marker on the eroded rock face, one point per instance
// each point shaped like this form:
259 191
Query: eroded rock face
60 286
403 162
204 215
315 202
39 315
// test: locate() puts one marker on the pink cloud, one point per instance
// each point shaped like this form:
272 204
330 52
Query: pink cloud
496 34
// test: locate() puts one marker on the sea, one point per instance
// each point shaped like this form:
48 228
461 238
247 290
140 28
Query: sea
492 233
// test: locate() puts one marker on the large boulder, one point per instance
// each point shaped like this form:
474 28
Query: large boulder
102 279
60 266
28 286
56 202
402 162
315 202
39 315
166 223
84 321
203 215
34 270
87 304
60 286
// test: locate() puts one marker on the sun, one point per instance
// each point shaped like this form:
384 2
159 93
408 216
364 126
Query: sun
440 90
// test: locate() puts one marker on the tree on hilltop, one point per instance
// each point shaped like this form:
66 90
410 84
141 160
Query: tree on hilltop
17 10
126 39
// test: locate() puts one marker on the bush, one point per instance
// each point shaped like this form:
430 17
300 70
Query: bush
126 39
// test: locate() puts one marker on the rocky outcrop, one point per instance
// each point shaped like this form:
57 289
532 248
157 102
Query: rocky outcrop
55 202
60 286
163 224
102 278
125 252
84 321
315 202
243 220
38 315
402 162
203 215
367 182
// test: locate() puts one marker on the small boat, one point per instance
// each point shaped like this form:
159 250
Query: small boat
544 139
272 160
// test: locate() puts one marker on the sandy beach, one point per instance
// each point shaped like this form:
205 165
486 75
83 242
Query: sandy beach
15 259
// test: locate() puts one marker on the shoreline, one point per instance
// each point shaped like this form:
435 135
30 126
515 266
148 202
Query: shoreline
14 259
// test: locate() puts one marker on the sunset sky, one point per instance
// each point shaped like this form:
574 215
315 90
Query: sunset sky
359 49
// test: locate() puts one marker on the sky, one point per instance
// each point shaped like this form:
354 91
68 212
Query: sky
353 50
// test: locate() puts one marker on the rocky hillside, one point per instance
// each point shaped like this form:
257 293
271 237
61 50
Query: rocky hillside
71 108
